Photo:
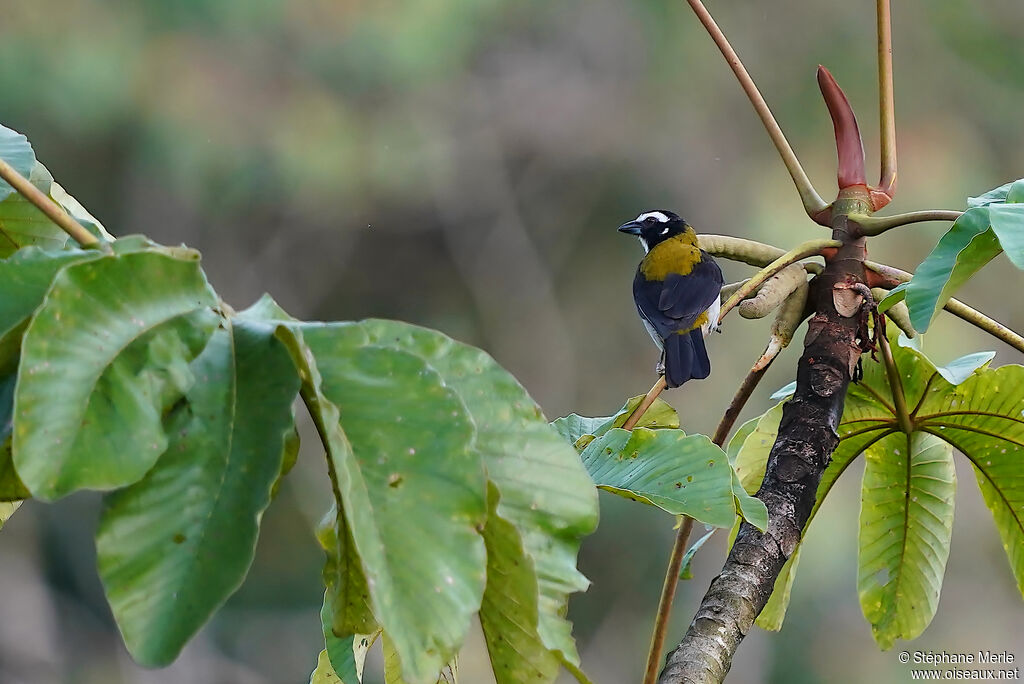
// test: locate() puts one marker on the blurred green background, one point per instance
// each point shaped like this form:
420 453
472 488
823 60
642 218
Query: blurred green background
463 165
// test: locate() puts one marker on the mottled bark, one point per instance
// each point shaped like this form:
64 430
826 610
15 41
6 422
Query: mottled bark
807 437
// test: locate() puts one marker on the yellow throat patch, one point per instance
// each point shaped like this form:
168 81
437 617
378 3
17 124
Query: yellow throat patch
679 254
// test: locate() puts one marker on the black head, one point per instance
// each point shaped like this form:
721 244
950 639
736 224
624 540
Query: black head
653 227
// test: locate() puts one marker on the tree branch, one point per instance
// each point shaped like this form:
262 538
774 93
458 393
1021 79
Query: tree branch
813 204
807 436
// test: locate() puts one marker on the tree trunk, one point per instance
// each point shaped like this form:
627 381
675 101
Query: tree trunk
807 437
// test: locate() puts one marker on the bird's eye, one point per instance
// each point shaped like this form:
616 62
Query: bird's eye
650 220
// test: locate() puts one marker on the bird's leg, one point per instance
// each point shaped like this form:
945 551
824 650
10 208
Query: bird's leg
659 368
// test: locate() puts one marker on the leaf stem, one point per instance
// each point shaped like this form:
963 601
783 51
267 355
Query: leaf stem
813 204
801 251
886 100
989 325
642 407
895 382
668 593
876 225
51 209
675 562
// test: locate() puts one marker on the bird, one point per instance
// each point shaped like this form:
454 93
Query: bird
677 290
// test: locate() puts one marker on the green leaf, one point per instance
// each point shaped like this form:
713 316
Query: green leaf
982 419
574 427
393 667
104 356
783 392
960 253
544 491
510 612
16 151
11 486
346 655
686 572
995 196
895 296
27 275
172 547
752 457
738 437
415 522
324 673
906 523
1015 194
347 593
955 372
1008 224
681 475
7 509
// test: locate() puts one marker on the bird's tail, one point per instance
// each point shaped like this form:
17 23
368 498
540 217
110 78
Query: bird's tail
686 358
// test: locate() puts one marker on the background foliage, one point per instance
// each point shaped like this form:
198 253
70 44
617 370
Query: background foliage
464 168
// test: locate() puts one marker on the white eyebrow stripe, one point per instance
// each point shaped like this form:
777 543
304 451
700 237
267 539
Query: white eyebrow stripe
656 214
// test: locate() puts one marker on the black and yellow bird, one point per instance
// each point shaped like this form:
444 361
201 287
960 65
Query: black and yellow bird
677 292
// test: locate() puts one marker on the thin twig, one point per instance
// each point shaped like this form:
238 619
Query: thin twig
668 593
675 562
641 409
886 100
876 225
52 210
813 204
801 251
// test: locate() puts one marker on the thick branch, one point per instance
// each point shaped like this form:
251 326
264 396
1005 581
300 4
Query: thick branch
807 437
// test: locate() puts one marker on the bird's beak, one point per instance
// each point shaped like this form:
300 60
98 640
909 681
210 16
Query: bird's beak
633 228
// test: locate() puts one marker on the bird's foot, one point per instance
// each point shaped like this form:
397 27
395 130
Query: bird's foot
659 368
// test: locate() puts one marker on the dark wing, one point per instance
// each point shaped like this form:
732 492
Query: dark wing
677 302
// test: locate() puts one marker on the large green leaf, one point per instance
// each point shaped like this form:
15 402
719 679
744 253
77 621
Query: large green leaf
416 526
993 222
982 418
544 492
172 547
683 475
348 596
104 356
906 522
959 254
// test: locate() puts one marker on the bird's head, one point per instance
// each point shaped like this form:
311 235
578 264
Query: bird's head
653 227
